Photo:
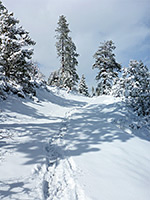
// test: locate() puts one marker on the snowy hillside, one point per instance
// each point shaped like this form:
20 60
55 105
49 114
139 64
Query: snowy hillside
67 147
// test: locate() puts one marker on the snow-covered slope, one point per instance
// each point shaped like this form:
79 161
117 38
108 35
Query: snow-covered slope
68 147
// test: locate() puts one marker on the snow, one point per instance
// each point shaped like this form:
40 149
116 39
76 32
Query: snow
63 146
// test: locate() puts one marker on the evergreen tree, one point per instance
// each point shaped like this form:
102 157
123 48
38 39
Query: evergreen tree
66 51
119 86
108 67
36 74
83 89
93 91
137 87
53 79
2 7
14 57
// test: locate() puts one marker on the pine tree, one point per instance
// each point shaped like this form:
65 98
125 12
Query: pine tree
14 57
137 87
83 89
2 7
93 91
66 51
108 67
53 79
36 74
119 86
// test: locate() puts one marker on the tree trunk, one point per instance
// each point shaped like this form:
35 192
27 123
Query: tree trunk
63 57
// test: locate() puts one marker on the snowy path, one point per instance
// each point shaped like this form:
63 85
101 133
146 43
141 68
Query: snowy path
33 152
113 163
66 147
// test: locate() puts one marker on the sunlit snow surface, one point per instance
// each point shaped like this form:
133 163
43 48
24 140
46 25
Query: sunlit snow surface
62 146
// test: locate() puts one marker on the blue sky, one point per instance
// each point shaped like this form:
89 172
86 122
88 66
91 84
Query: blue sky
126 22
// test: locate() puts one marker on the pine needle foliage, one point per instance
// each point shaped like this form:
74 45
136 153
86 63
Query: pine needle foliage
107 66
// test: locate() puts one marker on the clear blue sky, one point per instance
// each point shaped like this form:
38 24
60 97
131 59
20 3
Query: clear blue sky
126 22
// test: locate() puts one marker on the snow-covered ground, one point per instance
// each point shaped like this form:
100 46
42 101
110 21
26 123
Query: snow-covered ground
68 147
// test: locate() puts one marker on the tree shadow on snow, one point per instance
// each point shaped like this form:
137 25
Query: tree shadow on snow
31 139
33 136
21 106
98 124
84 132
9 189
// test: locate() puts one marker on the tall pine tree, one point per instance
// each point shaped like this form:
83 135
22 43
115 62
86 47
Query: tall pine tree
66 51
108 68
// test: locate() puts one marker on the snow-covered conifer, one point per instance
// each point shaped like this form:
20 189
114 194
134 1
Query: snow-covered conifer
119 86
2 7
53 79
108 68
15 54
83 89
137 87
38 78
66 51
